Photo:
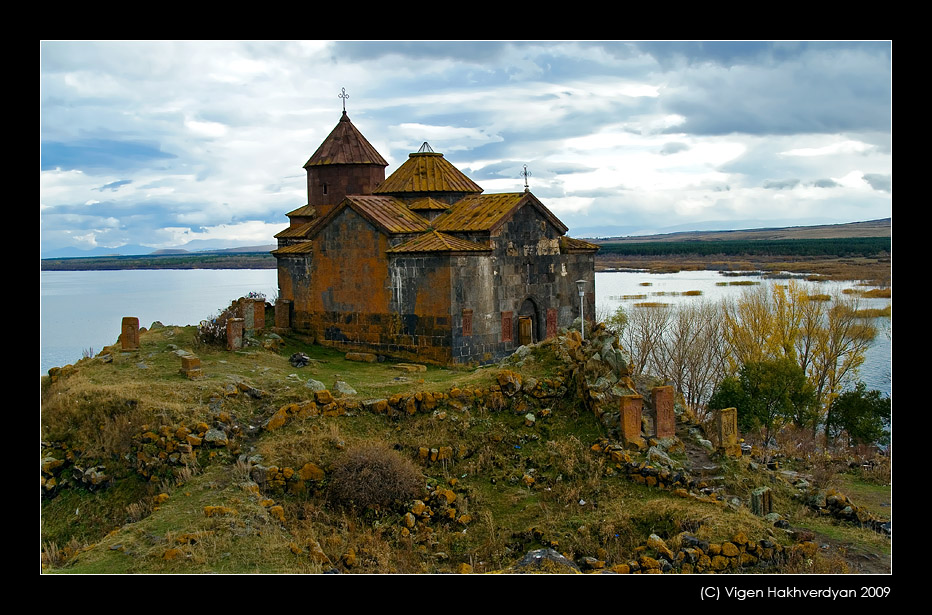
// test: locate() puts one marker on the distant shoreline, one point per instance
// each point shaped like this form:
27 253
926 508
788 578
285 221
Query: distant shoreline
243 260
844 254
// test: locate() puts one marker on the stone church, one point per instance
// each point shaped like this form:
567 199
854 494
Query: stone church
422 265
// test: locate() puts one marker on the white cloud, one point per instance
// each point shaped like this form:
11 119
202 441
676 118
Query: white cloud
841 147
227 126
214 130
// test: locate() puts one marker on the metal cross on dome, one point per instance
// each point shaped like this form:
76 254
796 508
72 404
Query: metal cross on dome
344 96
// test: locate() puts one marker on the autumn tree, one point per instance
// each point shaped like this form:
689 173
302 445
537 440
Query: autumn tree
825 336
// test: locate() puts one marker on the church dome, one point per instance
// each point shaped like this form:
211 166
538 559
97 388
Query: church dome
427 172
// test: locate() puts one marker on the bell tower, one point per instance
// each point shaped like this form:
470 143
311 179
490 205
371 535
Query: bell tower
344 164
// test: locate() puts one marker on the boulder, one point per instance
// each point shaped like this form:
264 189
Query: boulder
315 385
216 437
544 561
341 389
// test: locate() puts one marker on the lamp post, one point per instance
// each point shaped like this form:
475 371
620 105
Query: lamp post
581 287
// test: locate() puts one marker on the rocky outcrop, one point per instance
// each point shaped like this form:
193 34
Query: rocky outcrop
835 504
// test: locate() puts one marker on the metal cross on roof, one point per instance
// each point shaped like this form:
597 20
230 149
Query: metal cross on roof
344 96
526 174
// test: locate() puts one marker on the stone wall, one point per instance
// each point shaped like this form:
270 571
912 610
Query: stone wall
435 307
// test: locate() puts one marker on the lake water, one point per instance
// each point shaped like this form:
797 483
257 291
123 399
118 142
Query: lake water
83 310
626 288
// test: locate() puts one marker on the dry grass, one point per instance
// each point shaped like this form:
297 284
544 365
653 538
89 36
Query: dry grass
579 502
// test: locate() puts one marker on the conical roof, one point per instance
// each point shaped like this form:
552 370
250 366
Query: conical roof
427 172
345 145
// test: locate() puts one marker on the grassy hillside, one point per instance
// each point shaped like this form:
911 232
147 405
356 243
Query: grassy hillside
246 469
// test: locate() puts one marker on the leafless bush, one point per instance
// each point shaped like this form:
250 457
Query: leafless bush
371 476
213 331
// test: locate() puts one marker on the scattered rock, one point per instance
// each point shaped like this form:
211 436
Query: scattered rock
217 437
315 385
299 359
341 389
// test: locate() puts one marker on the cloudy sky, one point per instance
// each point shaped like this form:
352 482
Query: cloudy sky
201 144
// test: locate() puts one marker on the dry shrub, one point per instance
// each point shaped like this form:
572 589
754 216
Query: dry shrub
824 472
51 556
137 511
371 476
797 442
213 331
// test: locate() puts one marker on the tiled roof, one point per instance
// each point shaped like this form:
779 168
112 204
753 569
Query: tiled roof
302 230
427 172
295 248
569 244
386 212
345 145
486 212
428 204
432 241
304 210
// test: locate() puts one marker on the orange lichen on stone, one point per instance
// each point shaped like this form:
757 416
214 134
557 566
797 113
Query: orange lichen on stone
278 420
277 512
173 553
310 471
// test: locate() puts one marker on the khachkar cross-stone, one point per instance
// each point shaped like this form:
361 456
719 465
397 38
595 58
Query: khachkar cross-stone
344 96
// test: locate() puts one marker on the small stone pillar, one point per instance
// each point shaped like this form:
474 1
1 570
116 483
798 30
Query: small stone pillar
665 419
283 314
631 421
246 310
258 311
762 501
129 333
191 366
234 333
727 428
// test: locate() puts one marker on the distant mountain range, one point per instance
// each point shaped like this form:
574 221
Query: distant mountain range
131 250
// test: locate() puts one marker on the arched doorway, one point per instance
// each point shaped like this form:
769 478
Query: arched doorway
529 323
